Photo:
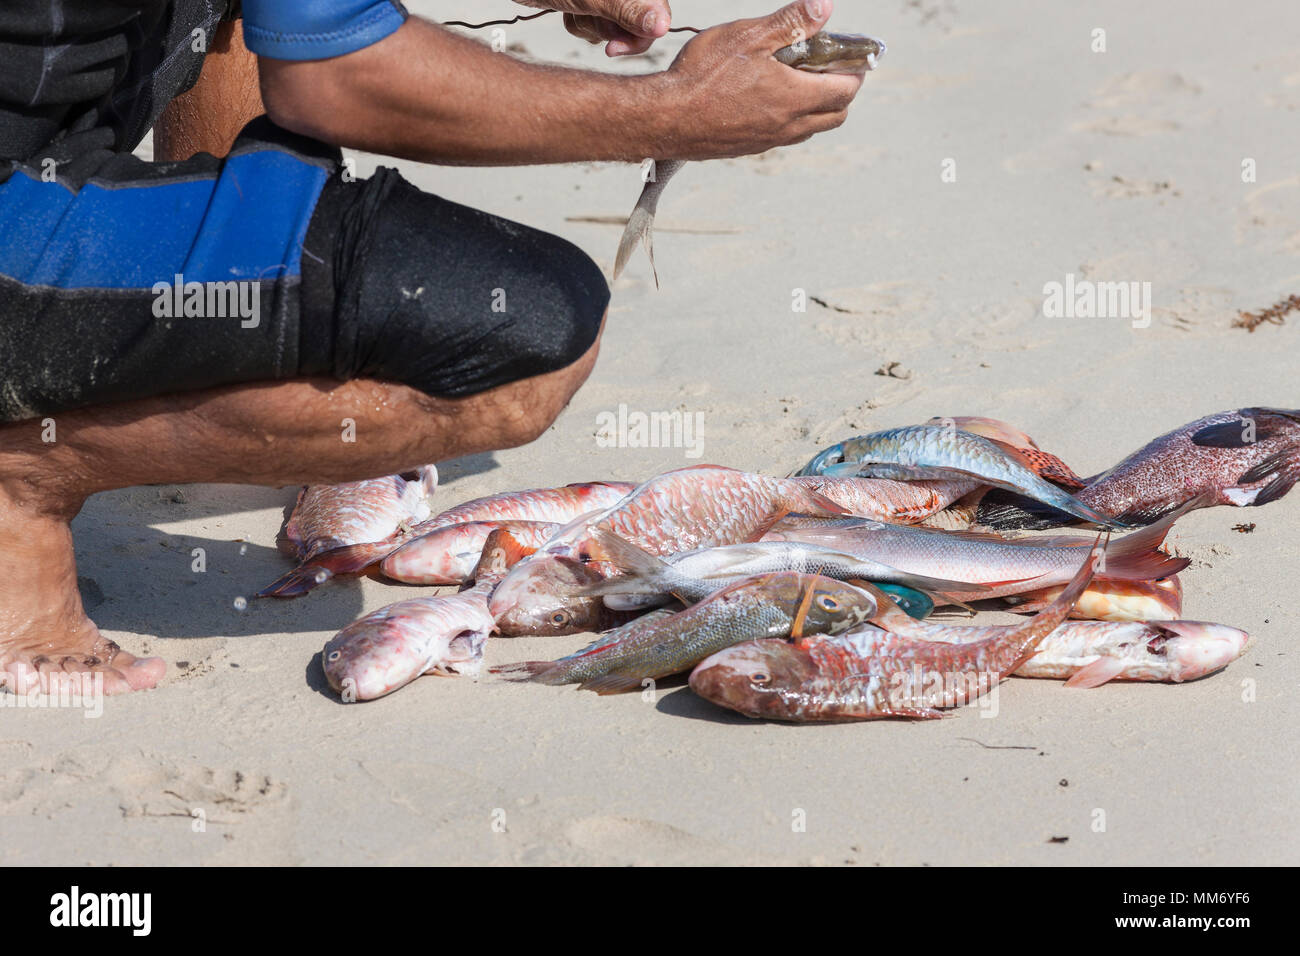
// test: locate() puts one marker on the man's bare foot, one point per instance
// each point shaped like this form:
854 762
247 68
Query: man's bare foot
43 630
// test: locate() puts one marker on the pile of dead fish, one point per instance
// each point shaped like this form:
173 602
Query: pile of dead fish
806 597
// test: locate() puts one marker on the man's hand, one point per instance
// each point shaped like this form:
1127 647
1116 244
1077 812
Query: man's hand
625 26
732 98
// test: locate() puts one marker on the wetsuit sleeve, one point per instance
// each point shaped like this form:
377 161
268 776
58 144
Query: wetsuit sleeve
317 29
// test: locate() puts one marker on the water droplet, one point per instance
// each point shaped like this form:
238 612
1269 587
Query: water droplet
241 603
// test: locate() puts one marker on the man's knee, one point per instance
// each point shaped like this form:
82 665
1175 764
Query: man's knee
536 402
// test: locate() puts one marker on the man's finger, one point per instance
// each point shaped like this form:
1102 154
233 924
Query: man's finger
642 18
629 47
793 22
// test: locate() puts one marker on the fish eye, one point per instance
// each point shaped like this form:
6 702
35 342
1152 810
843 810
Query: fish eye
334 655
560 617
828 603
760 678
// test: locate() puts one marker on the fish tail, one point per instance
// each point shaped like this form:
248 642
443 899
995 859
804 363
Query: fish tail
640 229
1137 555
640 224
538 672
349 559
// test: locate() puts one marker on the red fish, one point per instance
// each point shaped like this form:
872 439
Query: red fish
1243 458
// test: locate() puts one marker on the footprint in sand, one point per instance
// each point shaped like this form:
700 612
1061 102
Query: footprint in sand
1138 104
222 796
640 841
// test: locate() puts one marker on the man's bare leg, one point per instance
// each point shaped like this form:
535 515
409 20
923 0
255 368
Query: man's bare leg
265 434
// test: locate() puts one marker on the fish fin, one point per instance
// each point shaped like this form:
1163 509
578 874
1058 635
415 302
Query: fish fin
1044 464
539 672
1081 510
612 684
993 429
501 552
803 500
1007 511
1137 555
289 540
643 573
349 559
1265 468
296 583
913 713
1231 434
1274 490
427 475
1097 673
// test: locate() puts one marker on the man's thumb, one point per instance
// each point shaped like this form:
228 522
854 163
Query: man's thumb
642 18
796 21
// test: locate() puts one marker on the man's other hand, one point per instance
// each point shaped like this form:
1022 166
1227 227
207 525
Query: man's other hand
626 27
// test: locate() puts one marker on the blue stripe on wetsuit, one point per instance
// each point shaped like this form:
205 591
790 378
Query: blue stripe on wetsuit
317 29
248 222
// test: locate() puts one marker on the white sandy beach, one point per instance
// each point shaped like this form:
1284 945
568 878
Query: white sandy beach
1117 166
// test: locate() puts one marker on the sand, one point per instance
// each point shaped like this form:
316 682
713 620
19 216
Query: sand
1123 165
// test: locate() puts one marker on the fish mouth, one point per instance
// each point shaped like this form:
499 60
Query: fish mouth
761 679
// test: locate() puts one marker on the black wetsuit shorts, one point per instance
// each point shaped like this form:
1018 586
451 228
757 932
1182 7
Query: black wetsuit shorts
122 279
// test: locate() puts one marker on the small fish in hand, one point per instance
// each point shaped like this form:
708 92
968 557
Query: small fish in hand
821 53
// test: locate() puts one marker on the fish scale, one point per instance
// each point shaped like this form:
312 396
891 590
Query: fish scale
880 673
941 451
560 505
1210 460
681 510
655 646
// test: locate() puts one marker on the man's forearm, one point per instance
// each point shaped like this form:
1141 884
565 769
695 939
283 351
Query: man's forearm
427 94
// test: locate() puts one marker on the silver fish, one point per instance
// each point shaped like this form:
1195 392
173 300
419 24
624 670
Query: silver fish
940 451
647 580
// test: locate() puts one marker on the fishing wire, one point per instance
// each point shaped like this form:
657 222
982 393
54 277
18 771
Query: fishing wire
533 16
